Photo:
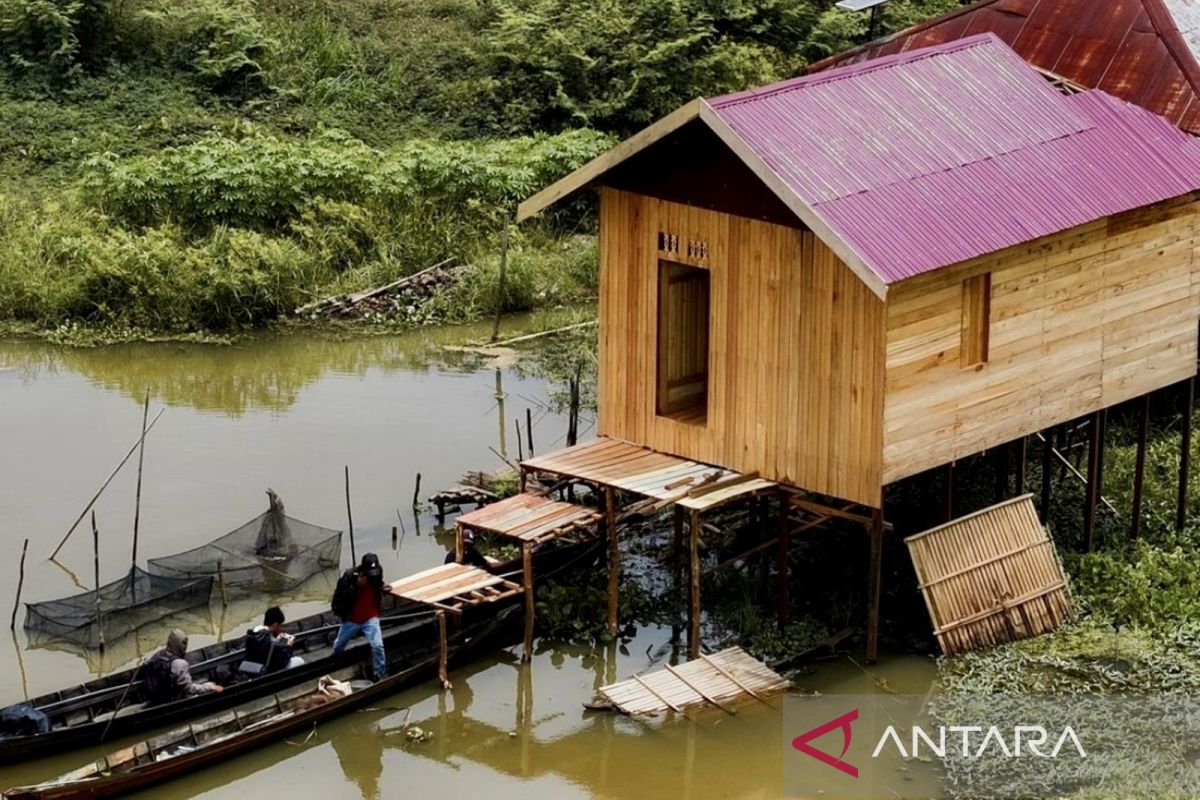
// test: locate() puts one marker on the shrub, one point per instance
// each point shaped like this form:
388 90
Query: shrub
49 42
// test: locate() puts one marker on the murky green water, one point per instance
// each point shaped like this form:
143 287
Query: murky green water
290 413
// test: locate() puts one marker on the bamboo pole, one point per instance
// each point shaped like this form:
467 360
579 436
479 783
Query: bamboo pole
96 565
527 562
1139 472
875 576
520 445
500 282
104 485
529 430
1185 454
1047 468
1022 456
137 501
443 674
12 625
694 588
350 519
782 602
1092 490
614 555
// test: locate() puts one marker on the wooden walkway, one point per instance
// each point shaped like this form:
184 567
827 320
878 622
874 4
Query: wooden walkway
719 680
991 577
531 517
630 468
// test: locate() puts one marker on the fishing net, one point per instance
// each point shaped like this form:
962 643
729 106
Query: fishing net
272 553
112 611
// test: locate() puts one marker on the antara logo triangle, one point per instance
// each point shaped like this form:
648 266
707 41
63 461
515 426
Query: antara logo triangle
801 742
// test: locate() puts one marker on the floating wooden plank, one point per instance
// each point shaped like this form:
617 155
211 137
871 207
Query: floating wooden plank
717 679
640 470
991 577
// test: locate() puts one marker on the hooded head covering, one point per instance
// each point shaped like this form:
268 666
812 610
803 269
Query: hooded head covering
177 642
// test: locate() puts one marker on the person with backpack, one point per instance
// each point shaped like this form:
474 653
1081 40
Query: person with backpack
268 648
357 601
167 676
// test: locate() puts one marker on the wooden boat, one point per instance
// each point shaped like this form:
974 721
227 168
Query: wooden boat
255 723
110 708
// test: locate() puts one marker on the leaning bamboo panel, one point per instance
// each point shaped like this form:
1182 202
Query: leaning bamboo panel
991 577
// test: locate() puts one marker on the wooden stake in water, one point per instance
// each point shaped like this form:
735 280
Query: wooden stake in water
417 493
137 503
529 430
20 583
96 564
350 518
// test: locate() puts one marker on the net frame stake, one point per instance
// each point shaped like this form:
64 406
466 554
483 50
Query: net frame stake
12 625
350 519
137 502
96 565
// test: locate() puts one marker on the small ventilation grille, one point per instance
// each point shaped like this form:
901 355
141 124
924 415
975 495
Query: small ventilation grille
696 250
668 242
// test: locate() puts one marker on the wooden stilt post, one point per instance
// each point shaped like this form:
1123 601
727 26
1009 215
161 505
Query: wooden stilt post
12 625
694 588
782 602
529 430
875 588
520 445
1047 470
1001 467
677 535
1092 491
948 495
1022 456
524 479
614 555
573 409
527 561
458 542
1139 470
443 674
1185 453
350 519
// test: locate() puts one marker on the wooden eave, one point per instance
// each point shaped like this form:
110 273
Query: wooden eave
699 109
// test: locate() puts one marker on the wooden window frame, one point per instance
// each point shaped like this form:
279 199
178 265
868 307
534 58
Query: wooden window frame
976 321
688 409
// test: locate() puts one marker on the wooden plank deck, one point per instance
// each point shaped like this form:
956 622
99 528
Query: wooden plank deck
630 468
530 517
717 679
454 586
991 577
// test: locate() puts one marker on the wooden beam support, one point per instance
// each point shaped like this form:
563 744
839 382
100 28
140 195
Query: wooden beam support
443 673
458 542
1185 452
829 511
1047 469
875 588
694 588
948 494
527 562
614 555
1022 448
1094 475
782 601
1139 470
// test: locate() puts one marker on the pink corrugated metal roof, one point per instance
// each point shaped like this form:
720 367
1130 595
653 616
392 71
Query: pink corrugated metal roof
931 157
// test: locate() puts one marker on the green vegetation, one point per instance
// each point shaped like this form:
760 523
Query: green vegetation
207 165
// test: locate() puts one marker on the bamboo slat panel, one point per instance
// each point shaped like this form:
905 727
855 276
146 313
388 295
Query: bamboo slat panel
991 577
530 517
729 675
454 586
625 466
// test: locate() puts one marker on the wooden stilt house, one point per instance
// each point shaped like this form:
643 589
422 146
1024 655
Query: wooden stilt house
848 278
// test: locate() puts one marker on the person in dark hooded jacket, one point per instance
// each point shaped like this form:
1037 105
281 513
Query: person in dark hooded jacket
268 648
167 676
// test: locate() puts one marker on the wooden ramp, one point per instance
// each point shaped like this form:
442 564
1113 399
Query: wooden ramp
630 468
719 679
991 577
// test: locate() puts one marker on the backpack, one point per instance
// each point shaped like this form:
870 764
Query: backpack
158 684
344 594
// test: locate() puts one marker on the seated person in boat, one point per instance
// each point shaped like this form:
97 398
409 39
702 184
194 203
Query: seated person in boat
357 600
471 554
167 676
268 648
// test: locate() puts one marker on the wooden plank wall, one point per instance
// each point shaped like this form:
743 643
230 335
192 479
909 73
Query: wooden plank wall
796 348
1079 321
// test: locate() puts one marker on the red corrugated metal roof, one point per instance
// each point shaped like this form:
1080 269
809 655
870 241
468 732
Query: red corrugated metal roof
927 158
1143 51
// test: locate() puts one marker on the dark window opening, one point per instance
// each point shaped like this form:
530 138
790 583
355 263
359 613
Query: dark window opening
683 300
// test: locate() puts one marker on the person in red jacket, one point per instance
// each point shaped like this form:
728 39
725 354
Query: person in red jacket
362 616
